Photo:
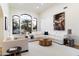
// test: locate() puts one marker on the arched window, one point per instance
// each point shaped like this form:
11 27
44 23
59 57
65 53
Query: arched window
26 17
34 24
16 24
26 23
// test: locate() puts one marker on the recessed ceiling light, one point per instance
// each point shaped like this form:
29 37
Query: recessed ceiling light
37 7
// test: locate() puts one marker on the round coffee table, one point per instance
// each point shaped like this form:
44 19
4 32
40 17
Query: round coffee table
45 42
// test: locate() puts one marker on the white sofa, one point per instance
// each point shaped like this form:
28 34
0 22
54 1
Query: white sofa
58 38
8 44
11 42
36 35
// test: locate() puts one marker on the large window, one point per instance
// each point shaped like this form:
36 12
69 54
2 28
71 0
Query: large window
16 24
24 23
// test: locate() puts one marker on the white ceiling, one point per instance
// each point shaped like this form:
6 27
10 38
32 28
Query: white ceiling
33 7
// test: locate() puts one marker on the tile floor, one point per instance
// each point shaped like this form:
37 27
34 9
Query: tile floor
55 50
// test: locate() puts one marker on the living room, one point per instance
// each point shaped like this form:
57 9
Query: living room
42 25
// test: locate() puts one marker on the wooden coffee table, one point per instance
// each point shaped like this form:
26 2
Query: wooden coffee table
45 42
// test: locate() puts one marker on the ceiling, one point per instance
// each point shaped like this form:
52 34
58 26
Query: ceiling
33 7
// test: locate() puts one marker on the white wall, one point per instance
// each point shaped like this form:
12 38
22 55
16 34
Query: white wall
71 19
5 9
1 25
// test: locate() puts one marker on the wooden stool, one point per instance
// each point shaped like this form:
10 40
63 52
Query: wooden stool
45 42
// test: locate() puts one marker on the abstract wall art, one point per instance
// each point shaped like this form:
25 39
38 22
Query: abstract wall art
59 21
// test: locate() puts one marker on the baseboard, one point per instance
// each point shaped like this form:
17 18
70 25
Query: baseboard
20 52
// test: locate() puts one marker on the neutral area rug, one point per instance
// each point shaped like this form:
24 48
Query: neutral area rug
55 50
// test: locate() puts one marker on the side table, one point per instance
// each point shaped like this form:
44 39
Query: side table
68 42
71 43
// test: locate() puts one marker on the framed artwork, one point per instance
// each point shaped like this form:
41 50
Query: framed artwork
59 21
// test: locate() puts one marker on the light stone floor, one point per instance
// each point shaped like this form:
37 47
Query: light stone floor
55 50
